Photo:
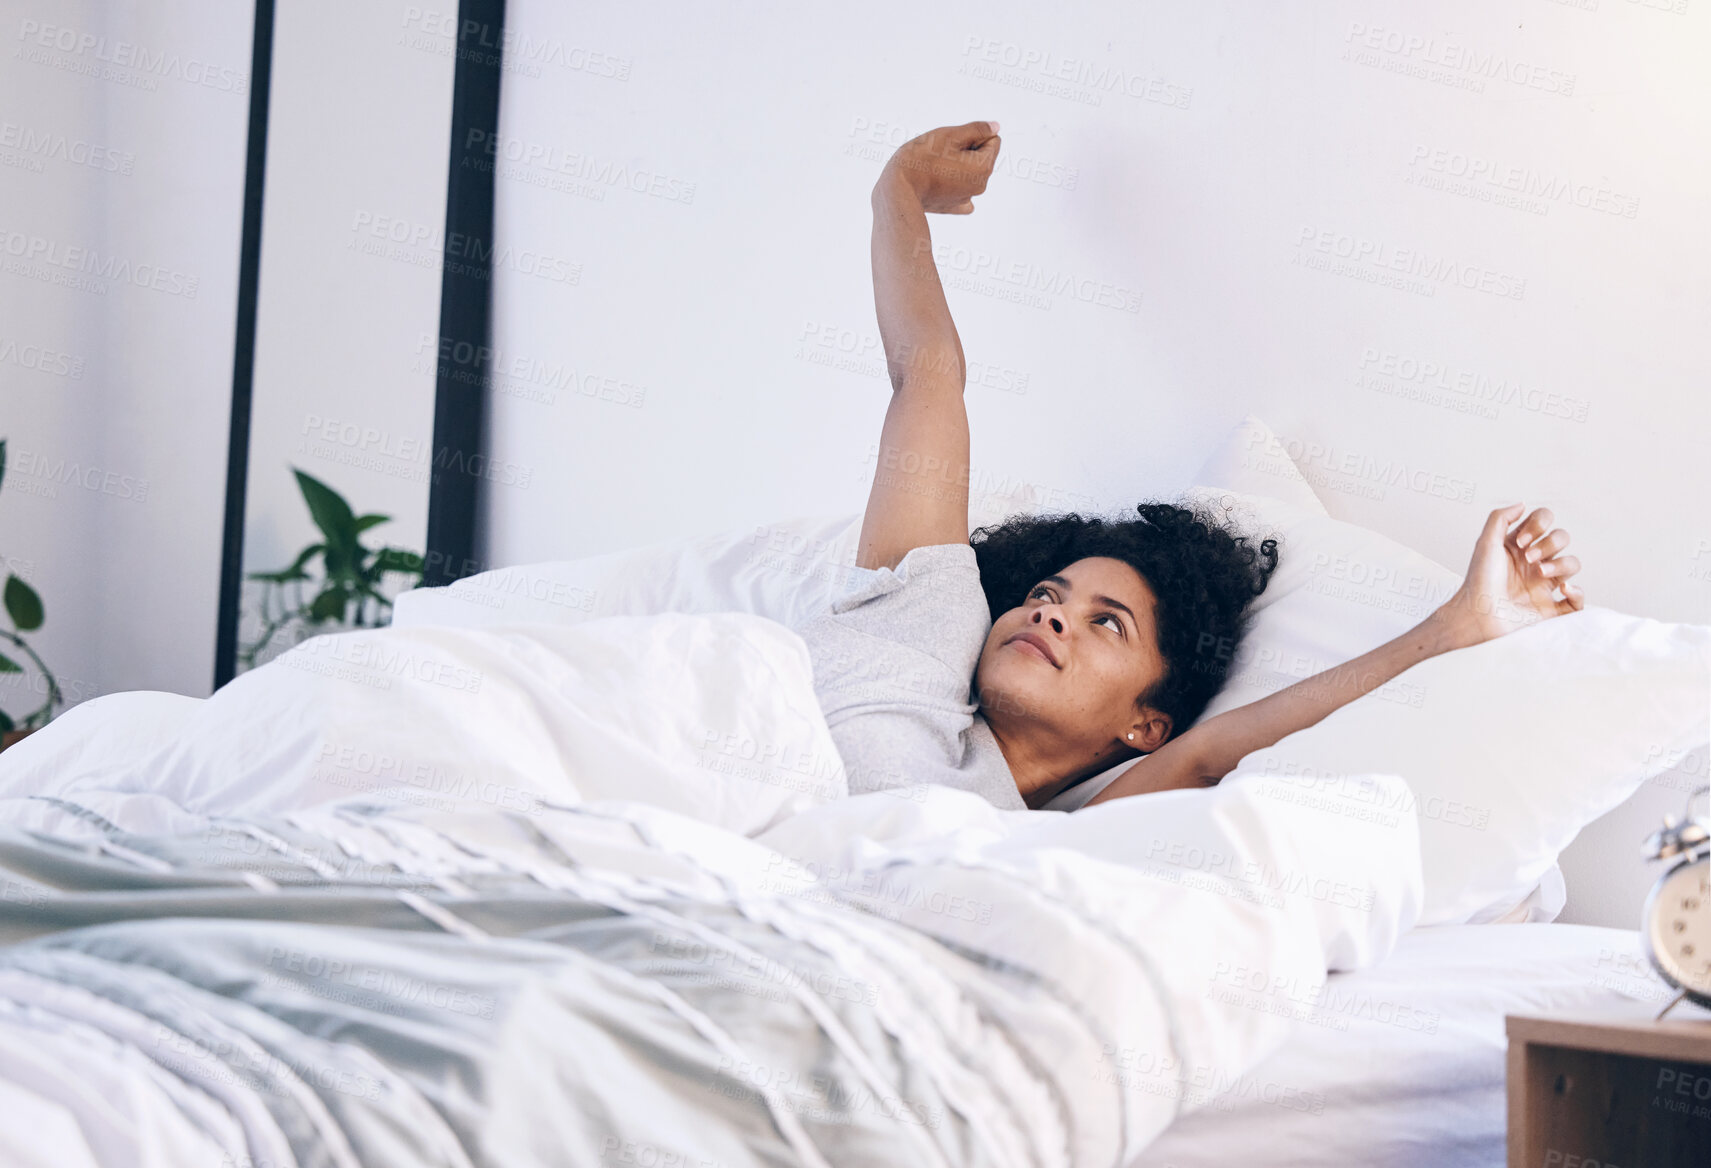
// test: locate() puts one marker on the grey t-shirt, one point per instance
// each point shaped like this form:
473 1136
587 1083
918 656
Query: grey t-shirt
894 660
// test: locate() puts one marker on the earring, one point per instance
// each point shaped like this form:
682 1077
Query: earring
1131 736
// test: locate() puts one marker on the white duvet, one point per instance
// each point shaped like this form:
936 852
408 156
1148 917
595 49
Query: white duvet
703 734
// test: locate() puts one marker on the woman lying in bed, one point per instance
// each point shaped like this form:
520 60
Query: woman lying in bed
1041 652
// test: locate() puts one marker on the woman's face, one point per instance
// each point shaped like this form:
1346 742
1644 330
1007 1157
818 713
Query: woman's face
1065 668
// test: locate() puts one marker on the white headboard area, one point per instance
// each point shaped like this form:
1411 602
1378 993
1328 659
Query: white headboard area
1453 253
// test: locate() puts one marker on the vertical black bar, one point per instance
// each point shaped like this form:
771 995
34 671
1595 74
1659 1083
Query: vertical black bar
465 294
243 356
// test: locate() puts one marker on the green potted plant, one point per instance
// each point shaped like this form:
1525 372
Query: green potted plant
24 610
348 591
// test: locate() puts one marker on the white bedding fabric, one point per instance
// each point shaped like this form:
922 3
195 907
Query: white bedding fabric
1516 744
704 732
713 716
1402 1065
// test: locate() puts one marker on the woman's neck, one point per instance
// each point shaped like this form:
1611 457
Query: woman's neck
1038 767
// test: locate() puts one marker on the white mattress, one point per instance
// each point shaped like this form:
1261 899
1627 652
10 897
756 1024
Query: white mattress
1403 1064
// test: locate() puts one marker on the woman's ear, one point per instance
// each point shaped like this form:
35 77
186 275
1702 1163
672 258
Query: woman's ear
1150 731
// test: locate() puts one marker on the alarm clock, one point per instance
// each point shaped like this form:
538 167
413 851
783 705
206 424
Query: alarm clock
1676 921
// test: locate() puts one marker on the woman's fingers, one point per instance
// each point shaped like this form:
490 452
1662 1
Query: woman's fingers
1533 527
1573 599
957 143
974 133
1561 568
1543 549
1497 523
950 166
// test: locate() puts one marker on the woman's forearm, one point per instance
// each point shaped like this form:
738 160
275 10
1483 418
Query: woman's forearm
914 320
1228 737
1214 747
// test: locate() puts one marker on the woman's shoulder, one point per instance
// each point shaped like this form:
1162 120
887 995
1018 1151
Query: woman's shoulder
952 565
930 603
933 556
933 593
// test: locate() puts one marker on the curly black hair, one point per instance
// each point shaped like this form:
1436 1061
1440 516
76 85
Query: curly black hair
1203 574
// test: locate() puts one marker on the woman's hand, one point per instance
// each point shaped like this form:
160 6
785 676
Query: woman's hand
946 167
1512 576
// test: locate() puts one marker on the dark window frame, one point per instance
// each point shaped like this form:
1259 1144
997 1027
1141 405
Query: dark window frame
466 301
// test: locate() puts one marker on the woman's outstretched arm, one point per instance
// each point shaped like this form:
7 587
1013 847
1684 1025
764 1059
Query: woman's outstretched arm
920 481
1508 586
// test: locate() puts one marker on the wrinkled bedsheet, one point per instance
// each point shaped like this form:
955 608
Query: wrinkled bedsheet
266 972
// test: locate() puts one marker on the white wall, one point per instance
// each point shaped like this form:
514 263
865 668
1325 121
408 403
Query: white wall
122 131
1288 125
127 387
687 312
353 228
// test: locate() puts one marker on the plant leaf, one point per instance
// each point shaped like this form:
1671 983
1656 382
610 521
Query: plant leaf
329 510
6 723
393 559
367 521
295 571
330 605
23 605
7 665
371 572
343 562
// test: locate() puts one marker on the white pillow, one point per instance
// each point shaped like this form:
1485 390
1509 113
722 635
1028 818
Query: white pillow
1339 591
1253 460
1511 746
786 571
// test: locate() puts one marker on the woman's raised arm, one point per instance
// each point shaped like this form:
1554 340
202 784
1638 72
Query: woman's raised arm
920 481
1508 586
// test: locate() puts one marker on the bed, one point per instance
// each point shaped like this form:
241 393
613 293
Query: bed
521 881
1402 1065
627 916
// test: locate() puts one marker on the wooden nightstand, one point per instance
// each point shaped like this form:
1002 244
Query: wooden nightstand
1611 1090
